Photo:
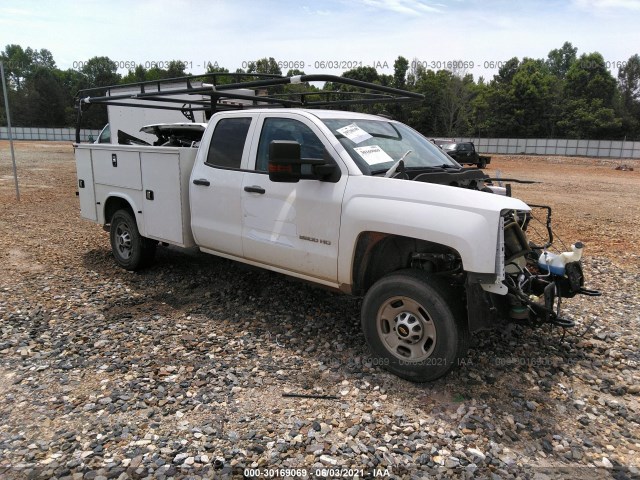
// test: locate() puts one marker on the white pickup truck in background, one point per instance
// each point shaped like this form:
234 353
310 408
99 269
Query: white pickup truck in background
354 202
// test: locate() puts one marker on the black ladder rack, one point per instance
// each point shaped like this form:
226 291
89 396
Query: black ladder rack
267 92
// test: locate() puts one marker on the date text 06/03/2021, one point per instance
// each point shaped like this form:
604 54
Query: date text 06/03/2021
319 472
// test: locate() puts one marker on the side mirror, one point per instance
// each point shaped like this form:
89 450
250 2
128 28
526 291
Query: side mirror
285 164
284 161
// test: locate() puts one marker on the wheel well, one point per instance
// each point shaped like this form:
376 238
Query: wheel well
378 254
114 204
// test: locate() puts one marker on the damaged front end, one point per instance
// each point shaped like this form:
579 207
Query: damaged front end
532 278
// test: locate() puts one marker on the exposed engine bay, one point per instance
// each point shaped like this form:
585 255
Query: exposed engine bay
185 135
536 275
538 278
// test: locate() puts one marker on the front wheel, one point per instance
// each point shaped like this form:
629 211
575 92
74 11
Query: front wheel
413 325
482 163
130 250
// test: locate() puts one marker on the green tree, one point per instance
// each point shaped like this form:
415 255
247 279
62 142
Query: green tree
536 92
480 111
455 103
425 116
629 85
587 110
629 80
500 101
176 68
400 69
584 118
560 59
42 58
364 74
221 79
138 74
71 81
98 72
507 71
215 68
17 64
588 77
264 66
44 99
101 72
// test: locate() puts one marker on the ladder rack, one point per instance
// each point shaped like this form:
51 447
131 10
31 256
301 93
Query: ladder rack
224 91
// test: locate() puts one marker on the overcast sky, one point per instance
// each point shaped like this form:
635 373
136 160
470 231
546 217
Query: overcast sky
345 32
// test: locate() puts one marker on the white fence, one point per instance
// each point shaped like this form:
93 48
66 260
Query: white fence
514 146
50 134
556 146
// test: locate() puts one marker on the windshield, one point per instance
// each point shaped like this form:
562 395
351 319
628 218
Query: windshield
448 146
376 145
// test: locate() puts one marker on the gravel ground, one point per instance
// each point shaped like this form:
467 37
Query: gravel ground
187 369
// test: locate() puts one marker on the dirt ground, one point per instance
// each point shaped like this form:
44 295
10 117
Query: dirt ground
197 336
591 200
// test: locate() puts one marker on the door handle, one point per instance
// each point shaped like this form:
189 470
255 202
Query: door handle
255 189
202 181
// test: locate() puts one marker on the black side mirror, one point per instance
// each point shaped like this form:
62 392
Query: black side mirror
284 161
285 164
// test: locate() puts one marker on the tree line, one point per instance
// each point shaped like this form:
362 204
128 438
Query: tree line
561 96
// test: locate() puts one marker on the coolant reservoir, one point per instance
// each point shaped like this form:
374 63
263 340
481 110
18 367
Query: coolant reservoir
555 263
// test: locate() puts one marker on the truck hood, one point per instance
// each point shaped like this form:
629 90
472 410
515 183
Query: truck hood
416 192
465 220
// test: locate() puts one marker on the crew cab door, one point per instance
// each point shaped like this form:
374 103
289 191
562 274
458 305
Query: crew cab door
291 226
216 185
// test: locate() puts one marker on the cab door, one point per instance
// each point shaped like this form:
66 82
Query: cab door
216 185
291 226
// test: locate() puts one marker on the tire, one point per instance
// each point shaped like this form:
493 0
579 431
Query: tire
415 325
130 250
482 163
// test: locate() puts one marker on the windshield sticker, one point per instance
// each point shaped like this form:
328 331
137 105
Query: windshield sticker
354 133
373 155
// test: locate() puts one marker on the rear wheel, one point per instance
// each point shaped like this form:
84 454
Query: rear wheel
482 163
413 325
130 250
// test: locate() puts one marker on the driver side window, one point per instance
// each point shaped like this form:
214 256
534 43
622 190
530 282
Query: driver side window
287 129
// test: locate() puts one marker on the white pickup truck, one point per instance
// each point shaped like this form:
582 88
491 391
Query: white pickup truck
354 202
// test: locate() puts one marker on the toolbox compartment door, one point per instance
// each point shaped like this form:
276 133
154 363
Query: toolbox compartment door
161 199
86 190
118 168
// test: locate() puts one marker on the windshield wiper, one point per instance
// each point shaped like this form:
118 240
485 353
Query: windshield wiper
399 163
444 166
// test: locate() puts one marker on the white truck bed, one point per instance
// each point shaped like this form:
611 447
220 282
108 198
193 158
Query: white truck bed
146 178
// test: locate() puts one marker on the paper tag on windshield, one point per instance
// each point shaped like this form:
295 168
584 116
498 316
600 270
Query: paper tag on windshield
354 133
373 154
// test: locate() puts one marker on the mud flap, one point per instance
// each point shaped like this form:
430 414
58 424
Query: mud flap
482 313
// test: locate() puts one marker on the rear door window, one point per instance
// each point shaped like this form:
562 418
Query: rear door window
227 142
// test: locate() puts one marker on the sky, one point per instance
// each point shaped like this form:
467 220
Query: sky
321 36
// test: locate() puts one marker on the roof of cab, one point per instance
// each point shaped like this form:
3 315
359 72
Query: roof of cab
321 114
